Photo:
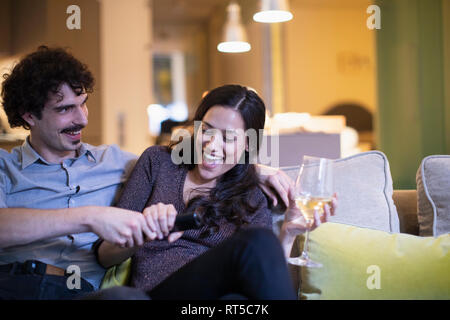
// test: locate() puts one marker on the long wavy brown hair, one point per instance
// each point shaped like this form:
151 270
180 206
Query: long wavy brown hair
229 198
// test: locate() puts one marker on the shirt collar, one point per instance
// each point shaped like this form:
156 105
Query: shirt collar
30 156
86 149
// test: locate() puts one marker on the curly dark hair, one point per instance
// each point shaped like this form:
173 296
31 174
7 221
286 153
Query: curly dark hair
37 75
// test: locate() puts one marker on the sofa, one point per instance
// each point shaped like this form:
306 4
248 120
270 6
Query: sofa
382 243
406 203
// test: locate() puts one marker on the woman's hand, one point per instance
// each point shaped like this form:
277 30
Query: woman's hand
294 222
161 219
273 179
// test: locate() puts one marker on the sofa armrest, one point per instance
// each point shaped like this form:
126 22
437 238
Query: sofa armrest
406 203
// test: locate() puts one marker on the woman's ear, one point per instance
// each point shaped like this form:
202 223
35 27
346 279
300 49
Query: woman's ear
29 118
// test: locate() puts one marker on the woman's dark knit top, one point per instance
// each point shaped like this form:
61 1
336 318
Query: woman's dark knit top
157 179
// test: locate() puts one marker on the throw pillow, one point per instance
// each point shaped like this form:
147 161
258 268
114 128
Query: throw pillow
363 184
433 195
117 275
360 263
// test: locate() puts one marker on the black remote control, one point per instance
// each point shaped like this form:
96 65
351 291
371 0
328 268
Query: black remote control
185 222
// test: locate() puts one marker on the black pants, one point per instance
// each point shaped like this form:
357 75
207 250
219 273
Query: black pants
39 287
250 264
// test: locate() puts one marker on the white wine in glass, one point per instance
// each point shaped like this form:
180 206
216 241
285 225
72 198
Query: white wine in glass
308 205
314 189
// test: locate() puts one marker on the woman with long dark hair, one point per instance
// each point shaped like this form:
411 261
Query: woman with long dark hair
235 250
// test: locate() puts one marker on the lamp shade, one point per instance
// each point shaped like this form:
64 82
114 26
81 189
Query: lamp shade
272 11
234 37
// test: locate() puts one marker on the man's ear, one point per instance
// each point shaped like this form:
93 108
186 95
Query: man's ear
29 118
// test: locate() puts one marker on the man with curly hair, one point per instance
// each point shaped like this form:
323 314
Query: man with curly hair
56 192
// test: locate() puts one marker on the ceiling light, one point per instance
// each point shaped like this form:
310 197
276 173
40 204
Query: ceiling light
272 11
234 35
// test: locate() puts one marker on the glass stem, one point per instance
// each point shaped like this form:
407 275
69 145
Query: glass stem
305 248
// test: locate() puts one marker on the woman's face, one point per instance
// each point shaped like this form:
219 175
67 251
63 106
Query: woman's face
220 141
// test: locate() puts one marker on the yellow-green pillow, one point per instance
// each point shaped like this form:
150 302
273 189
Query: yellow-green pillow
360 263
117 275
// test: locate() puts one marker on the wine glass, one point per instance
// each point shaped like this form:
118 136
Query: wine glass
313 189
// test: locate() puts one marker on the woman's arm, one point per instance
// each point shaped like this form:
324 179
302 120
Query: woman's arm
109 255
289 230
134 196
139 186
295 224
262 217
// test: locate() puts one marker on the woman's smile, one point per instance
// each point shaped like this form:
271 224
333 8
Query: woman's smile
211 161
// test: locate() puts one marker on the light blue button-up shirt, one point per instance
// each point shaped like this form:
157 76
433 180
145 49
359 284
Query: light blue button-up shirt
94 177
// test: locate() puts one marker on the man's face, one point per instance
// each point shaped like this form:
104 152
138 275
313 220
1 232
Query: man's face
57 135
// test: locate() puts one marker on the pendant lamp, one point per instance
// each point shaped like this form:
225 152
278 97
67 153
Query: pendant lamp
234 37
272 11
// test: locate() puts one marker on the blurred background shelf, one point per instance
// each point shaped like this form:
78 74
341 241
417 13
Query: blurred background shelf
9 141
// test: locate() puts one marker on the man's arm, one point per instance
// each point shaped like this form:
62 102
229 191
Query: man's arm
160 219
275 183
19 226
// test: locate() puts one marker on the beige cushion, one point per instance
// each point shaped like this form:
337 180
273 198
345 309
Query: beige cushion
433 195
363 183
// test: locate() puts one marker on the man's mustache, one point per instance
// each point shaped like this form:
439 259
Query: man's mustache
72 129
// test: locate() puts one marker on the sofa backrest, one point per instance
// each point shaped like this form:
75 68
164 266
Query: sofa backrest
406 203
364 187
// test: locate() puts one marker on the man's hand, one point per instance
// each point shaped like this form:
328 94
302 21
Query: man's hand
275 181
123 228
